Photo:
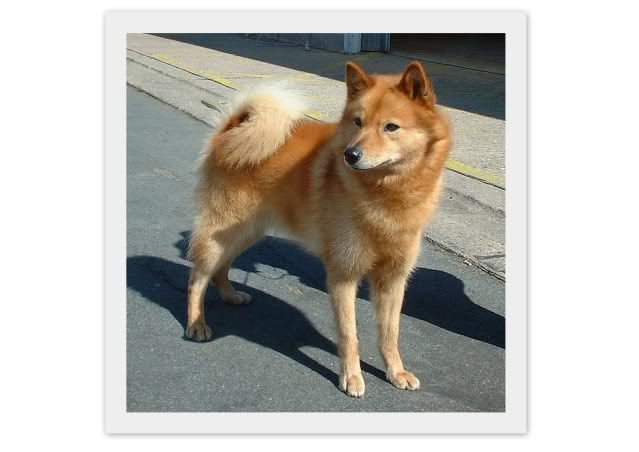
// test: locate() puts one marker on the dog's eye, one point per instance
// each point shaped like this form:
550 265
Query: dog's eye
390 127
358 121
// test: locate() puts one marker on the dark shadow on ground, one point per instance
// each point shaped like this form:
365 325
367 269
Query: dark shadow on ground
433 296
269 322
484 52
457 87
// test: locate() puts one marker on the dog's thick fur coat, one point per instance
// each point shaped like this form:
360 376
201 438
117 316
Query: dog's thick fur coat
356 193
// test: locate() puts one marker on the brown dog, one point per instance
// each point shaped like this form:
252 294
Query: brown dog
357 193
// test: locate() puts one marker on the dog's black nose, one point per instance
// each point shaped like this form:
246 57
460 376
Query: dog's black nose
352 155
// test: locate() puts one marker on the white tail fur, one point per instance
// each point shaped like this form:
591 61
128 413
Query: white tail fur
260 122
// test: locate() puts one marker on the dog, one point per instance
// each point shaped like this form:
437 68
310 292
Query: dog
356 193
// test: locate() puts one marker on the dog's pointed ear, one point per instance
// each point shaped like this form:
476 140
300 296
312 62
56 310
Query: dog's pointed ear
416 84
357 80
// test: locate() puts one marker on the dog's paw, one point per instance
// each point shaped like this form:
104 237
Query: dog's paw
404 380
237 297
352 385
199 331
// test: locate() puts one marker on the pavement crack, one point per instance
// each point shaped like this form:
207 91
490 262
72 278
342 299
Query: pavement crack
491 256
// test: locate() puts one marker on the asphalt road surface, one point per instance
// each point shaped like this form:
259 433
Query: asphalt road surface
278 353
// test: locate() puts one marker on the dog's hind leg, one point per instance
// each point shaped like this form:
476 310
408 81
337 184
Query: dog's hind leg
220 277
212 251
196 327
228 293
205 253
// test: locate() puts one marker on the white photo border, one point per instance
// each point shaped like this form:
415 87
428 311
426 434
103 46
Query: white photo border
117 25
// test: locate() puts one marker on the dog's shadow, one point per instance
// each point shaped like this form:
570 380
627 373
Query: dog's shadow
433 296
268 321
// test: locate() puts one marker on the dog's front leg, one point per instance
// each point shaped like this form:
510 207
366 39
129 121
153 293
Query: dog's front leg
342 291
388 288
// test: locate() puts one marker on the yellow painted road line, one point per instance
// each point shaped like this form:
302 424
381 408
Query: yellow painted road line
217 78
242 75
317 115
451 164
475 173
206 73
367 56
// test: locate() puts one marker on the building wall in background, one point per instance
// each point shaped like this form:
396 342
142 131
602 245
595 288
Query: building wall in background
350 43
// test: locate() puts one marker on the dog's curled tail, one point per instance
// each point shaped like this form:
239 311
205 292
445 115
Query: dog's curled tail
259 123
